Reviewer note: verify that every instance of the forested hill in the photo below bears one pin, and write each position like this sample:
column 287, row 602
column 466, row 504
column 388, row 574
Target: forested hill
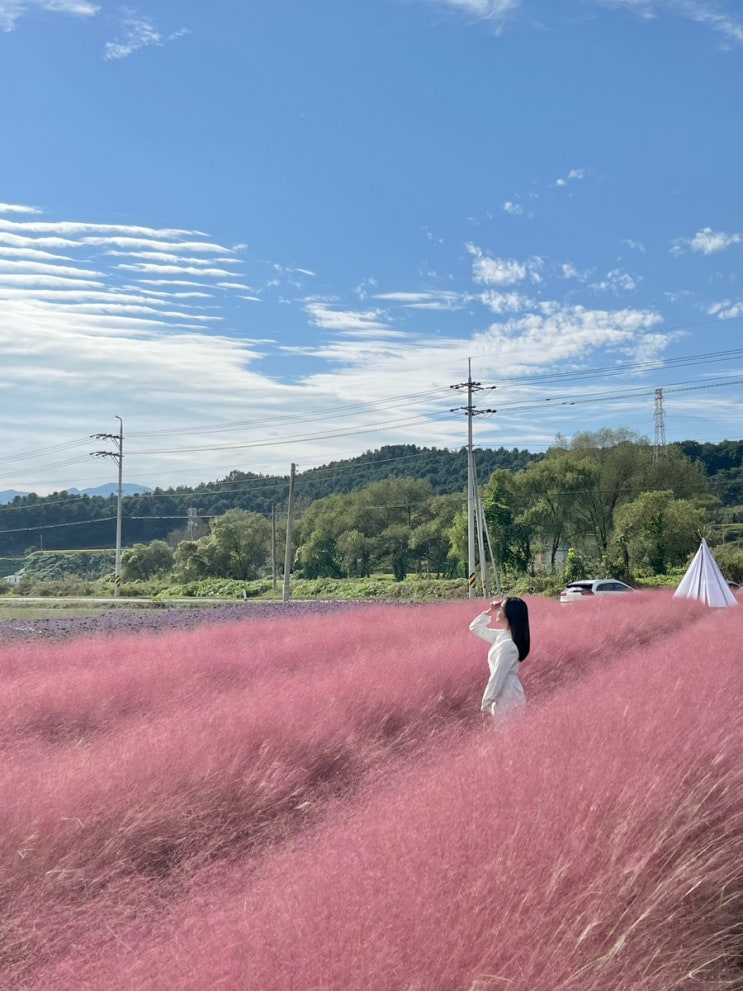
column 445, row 470
column 72, row 521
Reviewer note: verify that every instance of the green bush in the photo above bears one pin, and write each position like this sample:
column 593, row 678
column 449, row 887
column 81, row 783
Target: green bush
column 64, row 565
column 729, row 557
column 53, row 588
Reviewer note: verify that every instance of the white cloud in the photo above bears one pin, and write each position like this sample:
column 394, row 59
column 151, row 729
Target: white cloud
column 710, row 13
column 561, row 333
column 11, row 11
column 17, row 208
column 506, row 302
column 616, row 281
column 34, row 278
column 489, row 271
column 215, row 273
column 497, row 12
column 574, row 175
column 495, row 271
column 431, row 300
column 138, row 33
column 705, row 242
column 726, row 310
column 634, row 245
column 515, row 209
column 347, row 321
column 82, row 339
column 70, row 228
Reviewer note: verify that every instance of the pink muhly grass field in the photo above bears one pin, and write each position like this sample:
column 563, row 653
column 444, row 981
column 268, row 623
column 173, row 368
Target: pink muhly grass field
column 313, row 804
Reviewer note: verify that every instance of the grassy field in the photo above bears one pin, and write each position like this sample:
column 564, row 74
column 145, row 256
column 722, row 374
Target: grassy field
column 314, row 802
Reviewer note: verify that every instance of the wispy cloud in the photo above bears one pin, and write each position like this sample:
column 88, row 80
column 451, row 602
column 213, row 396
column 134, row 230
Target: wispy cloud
column 62, row 270
column 506, row 302
column 11, row 11
column 616, row 281
column 354, row 322
column 726, row 310
column 574, row 175
column 137, row 33
column 705, row 242
column 634, row 245
column 711, row 13
column 496, row 12
column 433, row 300
column 18, row 208
column 560, row 333
column 488, row 271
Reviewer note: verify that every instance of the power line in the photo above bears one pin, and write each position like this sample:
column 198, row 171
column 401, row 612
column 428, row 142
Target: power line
column 55, row 526
column 506, row 406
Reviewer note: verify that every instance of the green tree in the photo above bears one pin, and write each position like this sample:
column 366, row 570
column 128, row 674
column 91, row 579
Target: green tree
column 144, row 561
column 430, row 546
column 364, row 530
column 318, row 531
column 238, row 546
column 622, row 466
column 354, row 553
column 504, row 501
column 189, row 563
column 657, row 531
column 553, row 489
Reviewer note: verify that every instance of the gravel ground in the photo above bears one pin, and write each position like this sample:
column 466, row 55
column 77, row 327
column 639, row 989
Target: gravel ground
column 141, row 620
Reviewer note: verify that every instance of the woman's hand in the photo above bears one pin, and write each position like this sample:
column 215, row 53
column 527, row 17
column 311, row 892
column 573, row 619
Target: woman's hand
column 495, row 605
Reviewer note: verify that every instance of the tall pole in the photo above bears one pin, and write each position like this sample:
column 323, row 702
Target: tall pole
column 470, row 490
column 471, row 411
column 120, row 496
column 273, row 548
column 480, row 516
column 289, row 524
column 118, row 457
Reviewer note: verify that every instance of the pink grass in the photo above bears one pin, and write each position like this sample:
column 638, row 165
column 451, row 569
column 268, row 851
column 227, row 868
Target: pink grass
column 597, row 842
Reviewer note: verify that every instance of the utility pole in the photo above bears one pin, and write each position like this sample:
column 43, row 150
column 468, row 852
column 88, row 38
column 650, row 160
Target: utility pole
column 471, row 412
column 289, row 526
column 118, row 457
column 273, row 549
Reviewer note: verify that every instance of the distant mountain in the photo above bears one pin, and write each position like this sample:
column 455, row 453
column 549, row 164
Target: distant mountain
column 9, row 495
column 128, row 489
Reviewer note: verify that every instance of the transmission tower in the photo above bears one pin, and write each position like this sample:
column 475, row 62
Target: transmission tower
column 659, row 450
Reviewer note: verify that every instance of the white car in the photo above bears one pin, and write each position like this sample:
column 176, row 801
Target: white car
column 599, row 586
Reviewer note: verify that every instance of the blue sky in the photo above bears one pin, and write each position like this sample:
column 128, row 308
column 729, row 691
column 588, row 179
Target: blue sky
column 264, row 233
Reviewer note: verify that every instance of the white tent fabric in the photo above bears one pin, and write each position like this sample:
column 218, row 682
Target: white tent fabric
column 704, row 581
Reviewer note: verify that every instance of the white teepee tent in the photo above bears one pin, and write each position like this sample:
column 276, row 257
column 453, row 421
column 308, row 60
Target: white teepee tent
column 703, row 580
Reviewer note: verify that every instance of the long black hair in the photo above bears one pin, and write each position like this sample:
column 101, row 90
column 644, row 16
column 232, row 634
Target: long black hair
column 517, row 616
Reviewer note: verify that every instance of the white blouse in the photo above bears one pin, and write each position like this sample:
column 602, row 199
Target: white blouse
column 503, row 692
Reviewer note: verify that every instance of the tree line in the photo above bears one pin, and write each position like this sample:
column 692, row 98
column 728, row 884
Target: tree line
column 64, row 521
column 604, row 502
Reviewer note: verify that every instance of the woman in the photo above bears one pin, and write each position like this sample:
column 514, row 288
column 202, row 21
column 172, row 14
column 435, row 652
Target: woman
column 509, row 647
